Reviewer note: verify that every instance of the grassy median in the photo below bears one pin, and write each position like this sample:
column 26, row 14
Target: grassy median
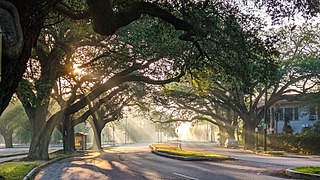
column 190, row 154
column 308, row 169
column 174, row 149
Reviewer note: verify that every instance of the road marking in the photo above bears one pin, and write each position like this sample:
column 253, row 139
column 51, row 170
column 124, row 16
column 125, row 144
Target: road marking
column 136, row 162
column 185, row 176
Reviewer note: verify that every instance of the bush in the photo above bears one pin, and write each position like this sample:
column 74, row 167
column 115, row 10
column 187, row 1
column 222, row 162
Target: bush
column 308, row 142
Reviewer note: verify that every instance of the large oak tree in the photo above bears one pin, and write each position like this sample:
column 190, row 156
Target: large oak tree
column 106, row 16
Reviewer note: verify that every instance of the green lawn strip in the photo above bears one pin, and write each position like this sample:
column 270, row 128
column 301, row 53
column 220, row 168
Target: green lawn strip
column 173, row 146
column 190, row 154
column 273, row 153
column 17, row 170
column 60, row 153
column 308, row 169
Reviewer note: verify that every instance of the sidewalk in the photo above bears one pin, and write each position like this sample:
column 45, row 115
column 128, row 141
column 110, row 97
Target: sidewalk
column 5, row 152
column 9, row 154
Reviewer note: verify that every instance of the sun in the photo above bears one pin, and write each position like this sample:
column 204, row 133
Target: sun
column 77, row 70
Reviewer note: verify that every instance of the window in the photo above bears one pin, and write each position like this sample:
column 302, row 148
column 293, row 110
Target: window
column 296, row 114
column 288, row 114
column 312, row 113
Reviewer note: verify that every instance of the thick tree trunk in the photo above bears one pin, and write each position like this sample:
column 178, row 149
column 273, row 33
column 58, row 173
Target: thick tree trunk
column 249, row 135
column 231, row 131
column 40, row 140
column 8, row 140
column 68, row 135
column 38, row 149
column 97, row 145
column 69, row 140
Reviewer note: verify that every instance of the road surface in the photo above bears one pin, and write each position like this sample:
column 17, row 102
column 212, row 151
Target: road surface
column 136, row 162
column 9, row 154
column 249, row 156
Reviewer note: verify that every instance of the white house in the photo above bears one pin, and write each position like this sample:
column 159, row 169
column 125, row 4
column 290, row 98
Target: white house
column 299, row 114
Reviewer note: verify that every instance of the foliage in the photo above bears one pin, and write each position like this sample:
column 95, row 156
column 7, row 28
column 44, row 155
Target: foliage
column 14, row 120
column 308, row 169
column 233, row 50
column 56, row 137
column 307, row 142
column 17, row 170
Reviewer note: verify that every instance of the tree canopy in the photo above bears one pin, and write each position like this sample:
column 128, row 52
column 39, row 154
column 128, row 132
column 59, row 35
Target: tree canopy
column 107, row 16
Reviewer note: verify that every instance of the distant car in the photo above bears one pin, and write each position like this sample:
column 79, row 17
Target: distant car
column 231, row 143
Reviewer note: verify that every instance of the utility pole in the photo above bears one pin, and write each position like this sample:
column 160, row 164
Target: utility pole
column 265, row 117
column 126, row 130
column 114, row 139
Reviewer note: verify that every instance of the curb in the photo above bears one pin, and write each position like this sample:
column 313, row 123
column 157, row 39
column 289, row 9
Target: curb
column 301, row 175
column 154, row 151
column 37, row 169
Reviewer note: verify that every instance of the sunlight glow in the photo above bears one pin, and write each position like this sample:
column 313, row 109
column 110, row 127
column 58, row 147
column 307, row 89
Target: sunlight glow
column 77, row 70
column 183, row 131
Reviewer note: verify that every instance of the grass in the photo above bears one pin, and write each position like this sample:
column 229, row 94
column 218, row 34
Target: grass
column 172, row 146
column 59, row 153
column 191, row 154
column 17, row 170
column 173, row 149
column 308, row 169
column 273, row 153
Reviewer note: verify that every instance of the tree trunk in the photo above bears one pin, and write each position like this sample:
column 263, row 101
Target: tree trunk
column 40, row 140
column 8, row 139
column 249, row 135
column 38, row 149
column 70, row 144
column 231, row 130
column 97, row 145
column 68, row 135
column 97, row 129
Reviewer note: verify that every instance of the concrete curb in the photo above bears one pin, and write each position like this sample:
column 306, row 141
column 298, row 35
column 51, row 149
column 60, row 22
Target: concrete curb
column 37, row 169
column 154, row 151
column 301, row 175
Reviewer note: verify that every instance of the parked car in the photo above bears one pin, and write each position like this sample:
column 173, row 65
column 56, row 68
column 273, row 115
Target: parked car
column 231, row 143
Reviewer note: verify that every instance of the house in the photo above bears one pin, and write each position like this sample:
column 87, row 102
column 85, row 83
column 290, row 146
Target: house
column 297, row 114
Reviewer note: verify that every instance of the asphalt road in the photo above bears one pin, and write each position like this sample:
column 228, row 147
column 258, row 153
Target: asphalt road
column 292, row 161
column 9, row 154
column 136, row 162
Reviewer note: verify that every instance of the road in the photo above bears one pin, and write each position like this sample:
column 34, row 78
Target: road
column 248, row 156
column 9, row 154
column 136, row 162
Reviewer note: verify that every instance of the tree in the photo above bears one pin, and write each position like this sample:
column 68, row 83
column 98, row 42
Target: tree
column 107, row 17
column 10, row 122
column 106, row 75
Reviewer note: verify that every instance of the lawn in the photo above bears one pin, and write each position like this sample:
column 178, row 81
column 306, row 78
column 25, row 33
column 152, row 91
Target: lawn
column 308, row 169
column 173, row 149
column 173, row 146
column 190, row 154
column 17, row 170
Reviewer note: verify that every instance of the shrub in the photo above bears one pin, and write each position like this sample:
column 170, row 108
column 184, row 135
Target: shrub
column 308, row 142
